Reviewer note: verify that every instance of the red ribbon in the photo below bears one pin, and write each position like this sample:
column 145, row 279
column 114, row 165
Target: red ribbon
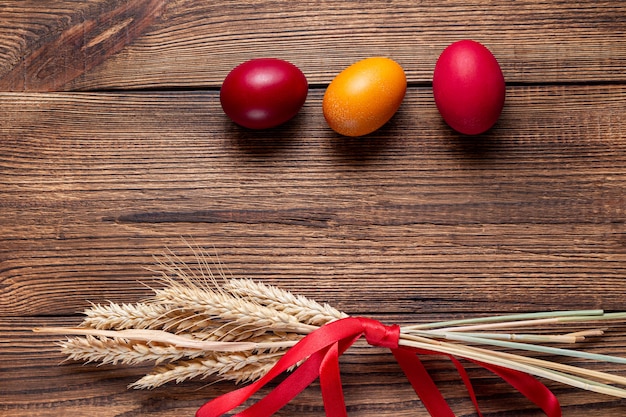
column 320, row 351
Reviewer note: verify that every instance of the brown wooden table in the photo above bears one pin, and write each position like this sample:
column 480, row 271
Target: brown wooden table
column 113, row 146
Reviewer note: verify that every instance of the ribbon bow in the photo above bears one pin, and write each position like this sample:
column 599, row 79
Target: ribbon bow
column 320, row 351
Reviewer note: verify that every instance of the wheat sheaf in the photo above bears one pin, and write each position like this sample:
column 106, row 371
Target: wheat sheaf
column 199, row 325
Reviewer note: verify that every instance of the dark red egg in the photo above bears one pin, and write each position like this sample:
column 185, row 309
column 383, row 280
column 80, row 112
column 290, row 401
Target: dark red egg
column 263, row 93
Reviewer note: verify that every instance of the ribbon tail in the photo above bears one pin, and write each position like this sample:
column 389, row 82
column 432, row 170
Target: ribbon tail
column 530, row 387
column 468, row 383
column 330, row 383
column 284, row 392
column 289, row 388
column 226, row 402
column 422, row 383
column 330, row 378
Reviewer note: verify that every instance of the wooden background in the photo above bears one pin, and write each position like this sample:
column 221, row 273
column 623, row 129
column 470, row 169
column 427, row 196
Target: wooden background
column 113, row 147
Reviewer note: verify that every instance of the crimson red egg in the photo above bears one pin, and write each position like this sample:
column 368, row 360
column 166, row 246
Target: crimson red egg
column 263, row 93
column 468, row 87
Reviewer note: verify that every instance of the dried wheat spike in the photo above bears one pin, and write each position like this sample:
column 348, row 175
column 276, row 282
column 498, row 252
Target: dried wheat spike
column 304, row 309
column 188, row 296
column 240, row 367
column 125, row 316
column 113, row 351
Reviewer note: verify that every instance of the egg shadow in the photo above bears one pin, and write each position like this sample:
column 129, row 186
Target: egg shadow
column 363, row 150
column 476, row 149
column 263, row 142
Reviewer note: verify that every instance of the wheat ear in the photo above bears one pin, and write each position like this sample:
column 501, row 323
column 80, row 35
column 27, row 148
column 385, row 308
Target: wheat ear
column 240, row 367
column 228, row 308
column 125, row 316
column 113, row 351
column 302, row 308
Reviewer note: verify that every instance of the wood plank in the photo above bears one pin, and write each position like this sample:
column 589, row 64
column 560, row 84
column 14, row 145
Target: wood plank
column 442, row 270
column 414, row 218
column 44, row 50
column 33, row 380
column 114, row 44
column 535, row 41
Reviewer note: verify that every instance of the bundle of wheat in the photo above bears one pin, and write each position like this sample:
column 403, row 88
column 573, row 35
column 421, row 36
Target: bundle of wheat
column 199, row 325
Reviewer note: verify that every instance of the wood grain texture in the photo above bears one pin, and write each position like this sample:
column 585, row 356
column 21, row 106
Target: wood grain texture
column 418, row 215
column 536, row 40
column 44, row 50
column 193, row 44
column 413, row 223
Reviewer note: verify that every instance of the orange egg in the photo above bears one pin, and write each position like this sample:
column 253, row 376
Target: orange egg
column 364, row 96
